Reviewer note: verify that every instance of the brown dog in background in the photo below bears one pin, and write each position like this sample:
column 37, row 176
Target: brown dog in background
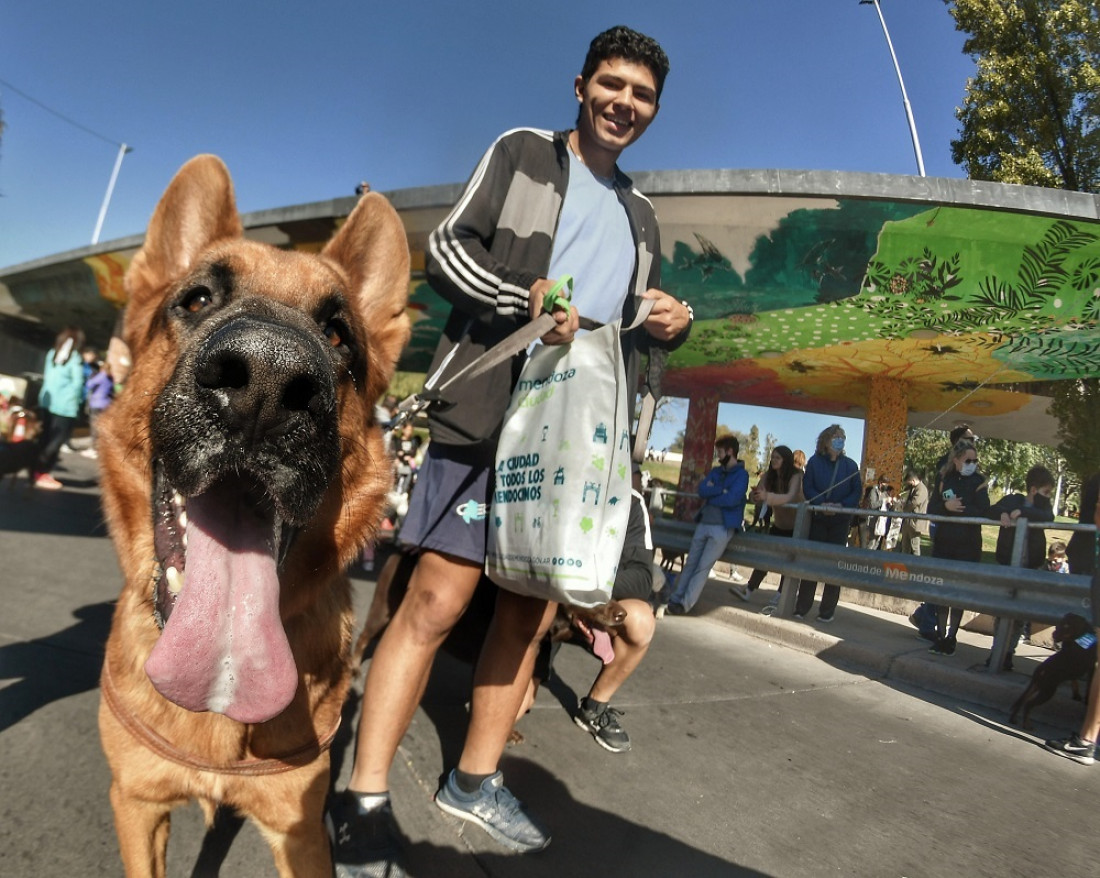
column 242, row 469
column 1075, row 660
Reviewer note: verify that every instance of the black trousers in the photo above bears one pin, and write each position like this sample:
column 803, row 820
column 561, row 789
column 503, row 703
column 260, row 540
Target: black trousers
column 823, row 529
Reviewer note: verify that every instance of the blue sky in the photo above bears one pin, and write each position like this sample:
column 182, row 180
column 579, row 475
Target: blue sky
column 793, row 429
column 304, row 100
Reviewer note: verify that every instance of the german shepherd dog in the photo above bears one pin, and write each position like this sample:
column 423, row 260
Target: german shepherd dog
column 242, row 469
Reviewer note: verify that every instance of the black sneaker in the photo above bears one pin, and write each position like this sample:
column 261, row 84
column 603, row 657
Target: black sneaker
column 364, row 845
column 1074, row 748
column 495, row 810
column 944, row 646
column 603, row 725
column 676, row 610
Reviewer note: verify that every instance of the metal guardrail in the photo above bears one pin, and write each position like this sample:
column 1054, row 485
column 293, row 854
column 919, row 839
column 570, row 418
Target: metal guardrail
column 1007, row 592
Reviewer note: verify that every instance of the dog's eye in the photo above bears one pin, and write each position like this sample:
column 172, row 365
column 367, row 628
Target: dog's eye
column 195, row 299
column 337, row 333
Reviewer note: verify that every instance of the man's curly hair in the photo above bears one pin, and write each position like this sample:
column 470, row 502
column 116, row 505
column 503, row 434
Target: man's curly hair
column 629, row 45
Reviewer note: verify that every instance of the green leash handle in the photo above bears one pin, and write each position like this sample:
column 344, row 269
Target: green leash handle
column 554, row 297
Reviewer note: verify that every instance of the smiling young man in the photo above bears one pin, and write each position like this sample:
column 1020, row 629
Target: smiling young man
column 539, row 205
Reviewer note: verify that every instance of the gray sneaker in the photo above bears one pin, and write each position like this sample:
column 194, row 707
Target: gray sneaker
column 1075, row 748
column 364, row 845
column 495, row 810
column 603, row 725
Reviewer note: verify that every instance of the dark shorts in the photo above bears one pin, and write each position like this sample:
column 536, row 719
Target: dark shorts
column 448, row 508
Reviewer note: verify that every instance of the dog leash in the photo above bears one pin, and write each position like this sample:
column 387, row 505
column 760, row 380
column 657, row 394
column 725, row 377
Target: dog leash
column 559, row 296
column 167, row 750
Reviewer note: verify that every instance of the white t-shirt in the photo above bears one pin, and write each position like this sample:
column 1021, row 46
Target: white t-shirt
column 594, row 244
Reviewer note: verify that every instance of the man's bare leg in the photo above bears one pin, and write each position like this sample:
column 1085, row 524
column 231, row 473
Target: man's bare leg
column 1090, row 728
column 502, row 677
column 631, row 645
column 439, row 591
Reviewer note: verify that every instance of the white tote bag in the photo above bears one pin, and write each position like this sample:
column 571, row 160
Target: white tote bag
column 562, row 492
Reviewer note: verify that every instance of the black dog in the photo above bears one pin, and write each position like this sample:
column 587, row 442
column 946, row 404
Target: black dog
column 1075, row 660
column 18, row 456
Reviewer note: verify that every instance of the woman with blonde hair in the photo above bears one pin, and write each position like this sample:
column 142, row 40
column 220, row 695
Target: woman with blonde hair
column 960, row 491
column 60, row 397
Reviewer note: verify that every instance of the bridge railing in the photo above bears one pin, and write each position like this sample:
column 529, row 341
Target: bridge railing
column 1006, row 592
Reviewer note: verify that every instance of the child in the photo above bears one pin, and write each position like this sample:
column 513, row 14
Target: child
column 1033, row 506
column 99, row 390
column 1056, row 558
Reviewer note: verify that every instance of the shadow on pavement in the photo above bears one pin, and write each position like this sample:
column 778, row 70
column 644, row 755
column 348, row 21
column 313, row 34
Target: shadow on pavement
column 589, row 840
column 53, row 667
column 58, row 513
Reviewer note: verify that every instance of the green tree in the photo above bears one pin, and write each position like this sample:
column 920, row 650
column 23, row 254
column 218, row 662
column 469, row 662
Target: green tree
column 1032, row 109
column 923, row 449
column 1076, row 405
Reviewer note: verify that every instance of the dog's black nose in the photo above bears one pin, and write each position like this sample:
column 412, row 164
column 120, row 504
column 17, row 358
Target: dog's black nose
column 263, row 377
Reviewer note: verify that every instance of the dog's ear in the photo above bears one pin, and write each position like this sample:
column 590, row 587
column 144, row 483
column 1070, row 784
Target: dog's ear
column 372, row 249
column 197, row 209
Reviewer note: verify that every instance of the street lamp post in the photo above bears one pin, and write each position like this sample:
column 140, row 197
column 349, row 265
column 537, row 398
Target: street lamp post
column 901, row 82
column 122, row 150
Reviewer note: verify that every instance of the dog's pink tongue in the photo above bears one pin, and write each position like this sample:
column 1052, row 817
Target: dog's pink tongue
column 223, row 648
column 601, row 646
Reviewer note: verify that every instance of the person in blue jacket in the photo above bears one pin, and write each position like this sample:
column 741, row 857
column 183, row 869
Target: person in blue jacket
column 60, row 397
column 831, row 479
column 724, row 490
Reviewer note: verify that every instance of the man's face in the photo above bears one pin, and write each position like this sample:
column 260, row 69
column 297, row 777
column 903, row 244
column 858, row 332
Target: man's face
column 617, row 103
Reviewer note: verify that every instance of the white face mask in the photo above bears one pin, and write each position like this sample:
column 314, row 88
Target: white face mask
column 968, row 469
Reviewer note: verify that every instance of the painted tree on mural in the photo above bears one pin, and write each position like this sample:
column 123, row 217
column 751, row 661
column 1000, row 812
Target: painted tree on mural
column 1032, row 111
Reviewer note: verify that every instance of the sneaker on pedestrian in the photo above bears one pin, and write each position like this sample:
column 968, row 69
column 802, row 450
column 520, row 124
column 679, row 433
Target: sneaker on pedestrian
column 603, row 724
column 365, row 843
column 676, row 610
column 66, row 448
column 89, row 453
column 1075, row 748
column 736, row 576
column 740, row 591
column 798, row 615
column 495, row 810
column 943, row 646
column 825, row 619
column 48, row 482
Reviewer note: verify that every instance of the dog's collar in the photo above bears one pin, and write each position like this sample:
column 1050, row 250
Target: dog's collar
column 242, row 767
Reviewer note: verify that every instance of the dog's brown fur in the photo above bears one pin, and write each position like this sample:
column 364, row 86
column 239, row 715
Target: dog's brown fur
column 155, row 747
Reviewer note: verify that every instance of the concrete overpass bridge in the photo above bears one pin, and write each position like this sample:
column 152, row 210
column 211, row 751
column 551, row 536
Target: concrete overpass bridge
column 890, row 298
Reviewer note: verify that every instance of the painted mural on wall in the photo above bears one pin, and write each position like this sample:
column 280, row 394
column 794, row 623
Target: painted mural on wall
column 954, row 301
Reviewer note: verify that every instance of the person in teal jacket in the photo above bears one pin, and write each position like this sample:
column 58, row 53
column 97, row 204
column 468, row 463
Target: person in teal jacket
column 60, row 397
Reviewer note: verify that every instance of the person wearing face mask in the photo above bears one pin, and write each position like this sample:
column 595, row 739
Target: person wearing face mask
column 780, row 488
column 1034, row 506
column 831, row 480
column 960, row 491
column 723, row 490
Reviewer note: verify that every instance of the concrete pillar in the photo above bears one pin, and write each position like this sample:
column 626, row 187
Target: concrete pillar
column 702, row 424
column 884, row 430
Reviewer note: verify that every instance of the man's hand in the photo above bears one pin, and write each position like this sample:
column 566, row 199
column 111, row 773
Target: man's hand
column 568, row 322
column 669, row 316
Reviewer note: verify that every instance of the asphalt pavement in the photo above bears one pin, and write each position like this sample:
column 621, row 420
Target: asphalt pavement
column 762, row 746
